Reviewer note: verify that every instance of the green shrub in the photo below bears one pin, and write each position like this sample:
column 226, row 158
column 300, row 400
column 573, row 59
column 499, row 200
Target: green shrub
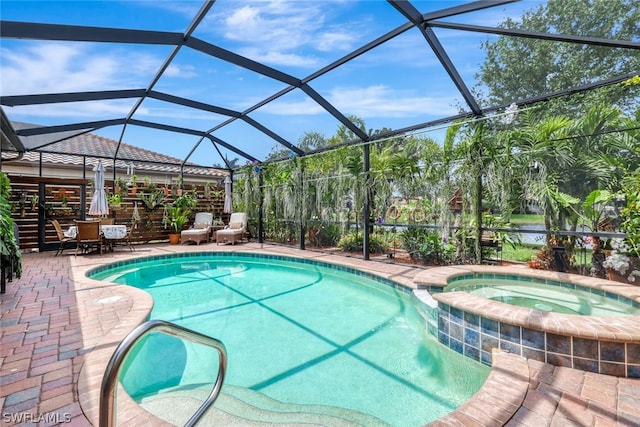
column 353, row 242
column 329, row 235
column 427, row 246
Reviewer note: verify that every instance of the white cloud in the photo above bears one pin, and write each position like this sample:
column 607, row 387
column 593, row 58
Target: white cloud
column 327, row 42
column 380, row 101
column 302, row 107
column 75, row 111
column 368, row 102
column 284, row 32
column 276, row 57
column 54, row 67
column 182, row 71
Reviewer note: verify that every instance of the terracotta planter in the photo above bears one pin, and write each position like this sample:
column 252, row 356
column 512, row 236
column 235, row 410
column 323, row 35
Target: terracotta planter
column 174, row 238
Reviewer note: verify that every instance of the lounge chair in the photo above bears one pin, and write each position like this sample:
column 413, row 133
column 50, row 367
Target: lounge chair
column 200, row 230
column 235, row 230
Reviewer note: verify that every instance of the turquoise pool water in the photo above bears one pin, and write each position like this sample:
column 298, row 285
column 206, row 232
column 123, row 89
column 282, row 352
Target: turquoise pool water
column 553, row 297
column 300, row 333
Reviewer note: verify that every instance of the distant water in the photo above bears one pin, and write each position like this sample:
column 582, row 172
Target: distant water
column 539, row 238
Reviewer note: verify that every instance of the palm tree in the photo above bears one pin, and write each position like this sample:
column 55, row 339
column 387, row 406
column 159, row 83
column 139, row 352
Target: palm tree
column 544, row 154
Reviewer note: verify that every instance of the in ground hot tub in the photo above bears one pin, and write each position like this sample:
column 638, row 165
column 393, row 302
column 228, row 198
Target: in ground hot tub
column 601, row 333
column 545, row 295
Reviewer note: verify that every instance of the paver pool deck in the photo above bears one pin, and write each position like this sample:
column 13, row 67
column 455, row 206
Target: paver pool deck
column 58, row 329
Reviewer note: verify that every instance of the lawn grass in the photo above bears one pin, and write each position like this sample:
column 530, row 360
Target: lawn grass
column 521, row 253
column 524, row 253
column 527, row 219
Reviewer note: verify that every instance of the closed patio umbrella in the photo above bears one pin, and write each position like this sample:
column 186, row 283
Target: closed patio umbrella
column 228, row 205
column 99, row 205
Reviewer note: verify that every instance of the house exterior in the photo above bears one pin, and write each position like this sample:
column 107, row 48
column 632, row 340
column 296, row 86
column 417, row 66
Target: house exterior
column 85, row 150
column 47, row 185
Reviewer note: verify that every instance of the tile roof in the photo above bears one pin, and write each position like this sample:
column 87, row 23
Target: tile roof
column 72, row 151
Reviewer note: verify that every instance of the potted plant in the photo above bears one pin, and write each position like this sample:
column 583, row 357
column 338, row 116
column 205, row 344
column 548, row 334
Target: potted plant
column 133, row 185
column 22, row 203
column 178, row 217
column 34, row 201
column 179, row 185
column 119, row 184
column 114, row 200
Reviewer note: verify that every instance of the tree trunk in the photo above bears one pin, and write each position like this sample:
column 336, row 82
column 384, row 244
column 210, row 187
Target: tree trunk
column 597, row 258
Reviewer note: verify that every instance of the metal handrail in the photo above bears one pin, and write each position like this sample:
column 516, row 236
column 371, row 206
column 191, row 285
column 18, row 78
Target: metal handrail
column 110, row 379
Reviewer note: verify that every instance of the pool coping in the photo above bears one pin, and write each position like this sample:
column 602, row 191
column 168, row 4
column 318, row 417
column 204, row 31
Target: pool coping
column 510, row 372
column 616, row 329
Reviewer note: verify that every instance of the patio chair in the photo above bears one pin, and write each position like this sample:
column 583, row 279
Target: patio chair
column 64, row 240
column 127, row 239
column 235, row 230
column 200, row 230
column 89, row 236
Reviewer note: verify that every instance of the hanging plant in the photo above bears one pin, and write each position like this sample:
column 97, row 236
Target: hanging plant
column 114, row 200
column 119, row 184
column 152, row 200
column 165, row 218
column 34, row 201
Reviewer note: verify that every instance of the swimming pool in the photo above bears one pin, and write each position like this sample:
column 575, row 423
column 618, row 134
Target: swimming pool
column 300, row 333
column 545, row 295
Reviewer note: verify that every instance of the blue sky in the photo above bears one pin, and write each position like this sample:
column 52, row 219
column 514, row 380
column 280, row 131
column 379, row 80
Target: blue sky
column 395, row 85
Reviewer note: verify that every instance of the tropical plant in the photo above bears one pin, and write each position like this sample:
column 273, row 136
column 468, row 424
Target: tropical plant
column 119, row 184
column 178, row 217
column 152, row 200
column 593, row 208
column 9, row 250
column 427, row 246
column 114, row 199
column 328, row 235
column 354, row 242
column 543, row 153
column 186, row 201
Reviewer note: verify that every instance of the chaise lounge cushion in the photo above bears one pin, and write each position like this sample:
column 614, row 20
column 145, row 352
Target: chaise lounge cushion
column 196, row 235
column 235, row 230
column 200, row 230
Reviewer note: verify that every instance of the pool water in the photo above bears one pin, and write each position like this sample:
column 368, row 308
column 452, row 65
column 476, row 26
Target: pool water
column 298, row 333
column 546, row 297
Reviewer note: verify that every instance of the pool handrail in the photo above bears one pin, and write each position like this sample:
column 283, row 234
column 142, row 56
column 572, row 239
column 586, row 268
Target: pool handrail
column 110, row 379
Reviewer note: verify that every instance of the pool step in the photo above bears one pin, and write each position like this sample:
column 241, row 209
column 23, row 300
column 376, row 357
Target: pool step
column 238, row 406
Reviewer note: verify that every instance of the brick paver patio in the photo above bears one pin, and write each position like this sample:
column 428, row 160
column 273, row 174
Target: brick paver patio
column 58, row 328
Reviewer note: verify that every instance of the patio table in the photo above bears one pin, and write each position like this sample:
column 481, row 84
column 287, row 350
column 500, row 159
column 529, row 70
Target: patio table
column 110, row 233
